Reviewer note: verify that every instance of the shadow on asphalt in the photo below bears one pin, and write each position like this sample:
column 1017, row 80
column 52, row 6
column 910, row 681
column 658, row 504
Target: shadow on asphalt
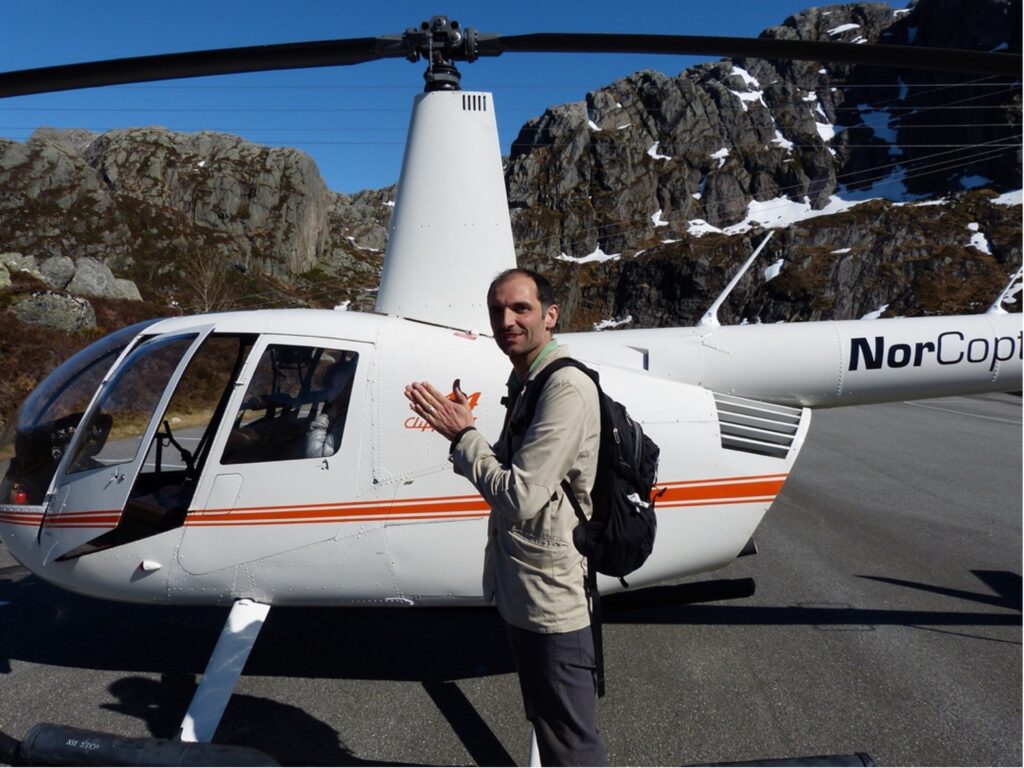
column 46, row 625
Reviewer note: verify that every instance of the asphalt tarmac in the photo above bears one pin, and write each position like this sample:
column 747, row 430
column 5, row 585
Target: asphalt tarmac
column 887, row 620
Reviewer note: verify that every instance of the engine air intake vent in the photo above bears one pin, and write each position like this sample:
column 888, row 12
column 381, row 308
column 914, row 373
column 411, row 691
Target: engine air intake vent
column 474, row 102
column 755, row 427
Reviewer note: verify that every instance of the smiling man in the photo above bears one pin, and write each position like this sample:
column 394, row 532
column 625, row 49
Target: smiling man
column 532, row 570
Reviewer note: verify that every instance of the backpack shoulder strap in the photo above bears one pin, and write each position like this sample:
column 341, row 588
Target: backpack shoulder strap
column 536, row 385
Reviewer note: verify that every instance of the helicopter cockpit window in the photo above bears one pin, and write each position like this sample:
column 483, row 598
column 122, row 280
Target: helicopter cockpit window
column 295, row 407
column 116, row 425
column 38, row 434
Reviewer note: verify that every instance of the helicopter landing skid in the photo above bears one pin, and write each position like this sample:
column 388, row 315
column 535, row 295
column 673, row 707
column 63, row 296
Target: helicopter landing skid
column 223, row 670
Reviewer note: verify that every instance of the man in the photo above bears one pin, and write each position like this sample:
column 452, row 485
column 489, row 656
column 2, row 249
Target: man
column 532, row 570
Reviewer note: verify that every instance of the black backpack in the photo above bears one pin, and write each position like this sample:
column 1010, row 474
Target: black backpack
column 619, row 536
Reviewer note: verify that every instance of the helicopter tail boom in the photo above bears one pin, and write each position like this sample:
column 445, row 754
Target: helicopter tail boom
column 830, row 364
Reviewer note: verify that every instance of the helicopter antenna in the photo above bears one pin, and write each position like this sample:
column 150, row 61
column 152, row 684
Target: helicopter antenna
column 710, row 318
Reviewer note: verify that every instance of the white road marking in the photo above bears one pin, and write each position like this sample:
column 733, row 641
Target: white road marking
column 962, row 413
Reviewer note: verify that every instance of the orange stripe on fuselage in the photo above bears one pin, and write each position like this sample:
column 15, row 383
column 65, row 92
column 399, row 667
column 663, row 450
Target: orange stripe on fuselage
column 747, row 489
column 676, row 494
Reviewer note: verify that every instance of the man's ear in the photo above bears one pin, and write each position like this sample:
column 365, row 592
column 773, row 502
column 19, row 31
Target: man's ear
column 551, row 317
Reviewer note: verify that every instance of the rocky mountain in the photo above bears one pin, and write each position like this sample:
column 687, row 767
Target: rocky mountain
column 884, row 188
column 676, row 175
column 174, row 210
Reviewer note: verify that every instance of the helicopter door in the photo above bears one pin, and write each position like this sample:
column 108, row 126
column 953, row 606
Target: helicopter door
column 284, row 468
column 102, row 461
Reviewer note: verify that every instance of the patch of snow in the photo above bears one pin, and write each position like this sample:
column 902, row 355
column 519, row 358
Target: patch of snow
column 699, row 228
column 1000, row 47
column 657, row 220
column 900, row 12
column 593, row 126
column 773, row 271
column 390, row 203
column 891, row 188
column 606, row 324
column 859, row 40
column 879, row 121
column 973, row 226
column 669, row 241
column 343, row 307
column 773, row 214
column 978, row 239
column 876, row 314
column 1010, row 198
column 653, row 152
column 811, row 96
column 842, row 28
column 973, row 182
column 618, row 104
column 749, row 96
column 748, row 80
column 201, row 164
column 597, row 255
column 720, row 156
column 841, row 250
column 696, row 195
column 827, row 131
column 623, row 127
column 782, row 141
column 822, row 71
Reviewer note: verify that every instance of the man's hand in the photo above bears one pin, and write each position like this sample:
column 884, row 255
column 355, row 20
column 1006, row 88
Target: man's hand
column 447, row 417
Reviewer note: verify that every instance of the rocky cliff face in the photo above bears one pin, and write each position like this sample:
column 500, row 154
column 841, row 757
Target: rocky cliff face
column 645, row 167
column 173, row 210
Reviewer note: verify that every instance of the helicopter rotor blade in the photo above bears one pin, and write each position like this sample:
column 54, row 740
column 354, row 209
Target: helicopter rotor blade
column 899, row 56
column 222, row 61
column 441, row 38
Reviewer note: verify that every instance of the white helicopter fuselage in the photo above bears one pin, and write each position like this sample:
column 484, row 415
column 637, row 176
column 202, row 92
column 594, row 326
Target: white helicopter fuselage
column 385, row 521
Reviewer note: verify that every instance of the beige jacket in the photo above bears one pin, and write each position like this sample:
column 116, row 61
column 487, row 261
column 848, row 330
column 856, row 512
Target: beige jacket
column 531, row 567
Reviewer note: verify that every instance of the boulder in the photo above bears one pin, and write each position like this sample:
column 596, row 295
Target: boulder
column 94, row 278
column 57, row 271
column 53, row 310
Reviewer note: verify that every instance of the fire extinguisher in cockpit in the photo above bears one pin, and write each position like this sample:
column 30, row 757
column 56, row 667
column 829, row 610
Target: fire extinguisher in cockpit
column 17, row 495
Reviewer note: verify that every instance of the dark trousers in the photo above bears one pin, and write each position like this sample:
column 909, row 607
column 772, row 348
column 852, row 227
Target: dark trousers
column 556, row 675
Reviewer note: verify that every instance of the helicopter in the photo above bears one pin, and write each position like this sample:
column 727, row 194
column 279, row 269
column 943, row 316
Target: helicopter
column 171, row 462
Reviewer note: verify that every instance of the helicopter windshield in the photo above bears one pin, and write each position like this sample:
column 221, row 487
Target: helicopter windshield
column 38, row 433
column 118, row 422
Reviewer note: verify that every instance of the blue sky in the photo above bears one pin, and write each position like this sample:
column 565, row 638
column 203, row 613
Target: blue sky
column 351, row 120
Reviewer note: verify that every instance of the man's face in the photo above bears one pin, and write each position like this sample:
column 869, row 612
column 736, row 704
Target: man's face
column 521, row 327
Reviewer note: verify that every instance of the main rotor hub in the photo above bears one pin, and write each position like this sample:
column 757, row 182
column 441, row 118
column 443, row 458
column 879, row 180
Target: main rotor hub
column 441, row 41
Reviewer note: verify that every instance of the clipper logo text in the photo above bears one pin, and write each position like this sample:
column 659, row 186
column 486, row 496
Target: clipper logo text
column 415, row 422
column 949, row 348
